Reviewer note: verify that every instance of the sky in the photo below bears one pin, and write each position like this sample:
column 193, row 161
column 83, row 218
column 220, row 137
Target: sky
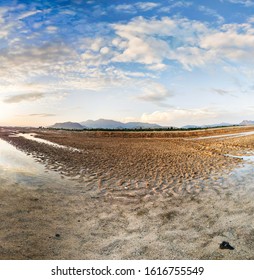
column 168, row 62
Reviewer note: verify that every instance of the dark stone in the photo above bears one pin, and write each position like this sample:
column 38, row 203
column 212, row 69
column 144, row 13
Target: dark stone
column 57, row 235
column 226, row 245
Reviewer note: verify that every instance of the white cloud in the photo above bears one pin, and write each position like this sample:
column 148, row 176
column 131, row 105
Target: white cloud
column 157, row 67
column 145, row 6
column 29, row 61
column 155, row 92
column 51, row 29
column 151, row 42
column 140, row 45
column 174, row 5
column 247, row 3
column 68, row 12
column 97, row 44
column 155, row 42
column 232, row 42
column 178, row 116
column 135, row 7
column 149, row 51
column 191, row 57
column 124, row 8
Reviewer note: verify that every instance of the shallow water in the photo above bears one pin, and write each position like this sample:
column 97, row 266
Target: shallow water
column 242, row 176
column 223, row 136
column 18, row 168
column 249, row 158
column 31, row 136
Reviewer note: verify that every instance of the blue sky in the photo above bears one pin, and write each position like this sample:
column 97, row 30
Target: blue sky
column 167, row 62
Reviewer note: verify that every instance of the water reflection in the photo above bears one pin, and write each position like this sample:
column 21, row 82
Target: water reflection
column 224, row 136
column 18, row 168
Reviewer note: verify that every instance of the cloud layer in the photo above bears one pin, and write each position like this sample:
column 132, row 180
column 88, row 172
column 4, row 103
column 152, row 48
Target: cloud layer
column 23, row 97
column 143, row 52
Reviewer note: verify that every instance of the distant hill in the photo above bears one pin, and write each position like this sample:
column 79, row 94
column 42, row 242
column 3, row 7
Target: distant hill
column 189, row 126
column 207, row 126
column 133, row 125
column 218, row 124
column 102, row 123
column 67, row 125
column 247, row 122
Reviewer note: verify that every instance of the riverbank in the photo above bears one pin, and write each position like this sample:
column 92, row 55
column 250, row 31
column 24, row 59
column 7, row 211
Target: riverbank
column 131, row 199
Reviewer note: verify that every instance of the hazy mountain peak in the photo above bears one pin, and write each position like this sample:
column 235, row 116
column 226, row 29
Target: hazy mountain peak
column 67, row 125
column 247, row 122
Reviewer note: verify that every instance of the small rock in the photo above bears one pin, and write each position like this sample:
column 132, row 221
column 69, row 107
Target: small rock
column 57, row 235
column 226, row 245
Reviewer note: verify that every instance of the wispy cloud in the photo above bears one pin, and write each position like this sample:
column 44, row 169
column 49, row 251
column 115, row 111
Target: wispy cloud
column 175, row 5
column 127, row 8
column 51, row 29
column 247, row 3
column 210, row 12
column 28, row 14
column 146, row 6
column 23, row 97
column 42, row 115
column 222, row 91
column 135, row 7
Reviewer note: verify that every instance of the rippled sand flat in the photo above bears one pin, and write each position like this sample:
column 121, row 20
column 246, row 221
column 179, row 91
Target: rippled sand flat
column 131, row 196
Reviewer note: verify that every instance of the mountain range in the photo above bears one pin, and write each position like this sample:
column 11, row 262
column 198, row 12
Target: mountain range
column 104, row 124
column 111, row 124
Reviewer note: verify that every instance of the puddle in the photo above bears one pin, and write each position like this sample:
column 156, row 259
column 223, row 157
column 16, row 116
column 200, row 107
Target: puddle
column 242, row 176
column 32, row 136
column 17, row 168
column 224, row 136
column 249, row 158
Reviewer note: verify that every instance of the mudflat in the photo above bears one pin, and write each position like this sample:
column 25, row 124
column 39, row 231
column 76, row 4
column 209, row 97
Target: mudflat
column 132, row 195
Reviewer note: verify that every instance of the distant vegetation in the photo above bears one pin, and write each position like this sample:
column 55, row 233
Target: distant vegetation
column 142, row 129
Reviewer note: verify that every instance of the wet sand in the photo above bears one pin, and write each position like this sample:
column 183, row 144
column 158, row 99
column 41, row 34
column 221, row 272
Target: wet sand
column 132, row 196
